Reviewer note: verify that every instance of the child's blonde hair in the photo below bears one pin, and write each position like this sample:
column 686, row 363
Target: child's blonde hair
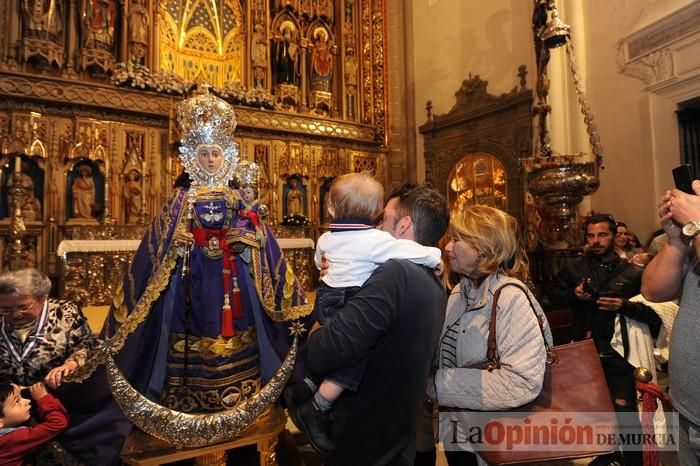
column 357, row 196
column 495, row 235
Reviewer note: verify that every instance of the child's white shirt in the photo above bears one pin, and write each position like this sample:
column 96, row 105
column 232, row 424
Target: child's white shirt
column 353, row 255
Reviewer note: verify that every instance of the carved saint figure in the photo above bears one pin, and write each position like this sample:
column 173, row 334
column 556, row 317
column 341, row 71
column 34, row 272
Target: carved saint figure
column 132, row 195
column 350, row 81
column 258, row 51
column 258, row 47
column 83, row 193
column 295, row 198
column 286, row 55
column 138, row 31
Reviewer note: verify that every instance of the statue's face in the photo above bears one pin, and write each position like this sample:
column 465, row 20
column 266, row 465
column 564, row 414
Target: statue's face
column 209, row 158
column 248, row 194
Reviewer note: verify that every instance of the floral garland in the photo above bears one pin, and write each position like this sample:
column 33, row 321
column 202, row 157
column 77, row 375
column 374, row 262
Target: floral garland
column 141, row 78
column 236, row 94
column 295, row 220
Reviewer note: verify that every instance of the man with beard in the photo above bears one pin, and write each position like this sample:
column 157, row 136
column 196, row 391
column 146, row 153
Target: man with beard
column 597, row 287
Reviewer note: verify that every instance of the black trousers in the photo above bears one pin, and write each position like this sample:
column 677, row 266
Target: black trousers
column 620, row 377
column 461, row 458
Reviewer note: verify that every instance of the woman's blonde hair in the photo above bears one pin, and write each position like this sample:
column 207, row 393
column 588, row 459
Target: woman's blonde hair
column 357, row 196
column 496, row 236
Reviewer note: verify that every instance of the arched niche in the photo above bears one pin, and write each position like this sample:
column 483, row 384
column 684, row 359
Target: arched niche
column 494, row 128
column 478, row 178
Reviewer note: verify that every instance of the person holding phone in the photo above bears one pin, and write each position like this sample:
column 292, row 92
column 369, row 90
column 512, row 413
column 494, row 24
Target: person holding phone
column 673, row 273
column 597, row 286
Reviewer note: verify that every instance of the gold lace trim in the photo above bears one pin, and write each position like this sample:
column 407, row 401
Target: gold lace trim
column 209, row 348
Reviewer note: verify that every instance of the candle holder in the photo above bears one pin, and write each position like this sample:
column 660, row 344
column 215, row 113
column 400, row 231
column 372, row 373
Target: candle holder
column 143, row 215
column 107, row 218
column 18, row 192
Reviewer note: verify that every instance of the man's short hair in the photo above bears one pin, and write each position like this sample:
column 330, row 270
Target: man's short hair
column 602, row 218
column 402, row 190
column 428, row 211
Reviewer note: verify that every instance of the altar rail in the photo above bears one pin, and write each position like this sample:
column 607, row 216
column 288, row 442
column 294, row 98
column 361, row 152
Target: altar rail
column 91, row 270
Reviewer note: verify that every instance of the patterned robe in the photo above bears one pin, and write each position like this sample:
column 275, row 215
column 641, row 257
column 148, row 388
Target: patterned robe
column 59, row 335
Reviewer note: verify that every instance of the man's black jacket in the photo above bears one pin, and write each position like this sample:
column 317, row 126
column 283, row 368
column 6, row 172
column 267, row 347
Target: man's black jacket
column 394, row 323
column 616, row 278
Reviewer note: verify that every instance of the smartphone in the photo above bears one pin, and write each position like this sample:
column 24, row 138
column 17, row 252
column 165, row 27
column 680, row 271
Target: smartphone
column 683, row 176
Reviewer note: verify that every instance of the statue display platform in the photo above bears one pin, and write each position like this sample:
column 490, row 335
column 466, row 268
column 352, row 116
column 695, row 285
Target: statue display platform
column 143, row 450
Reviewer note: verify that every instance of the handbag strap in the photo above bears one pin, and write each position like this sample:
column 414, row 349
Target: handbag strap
column 493, row 360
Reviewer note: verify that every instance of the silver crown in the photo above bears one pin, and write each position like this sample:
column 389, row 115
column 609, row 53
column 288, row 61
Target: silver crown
column 207, row 120
column 247, row 174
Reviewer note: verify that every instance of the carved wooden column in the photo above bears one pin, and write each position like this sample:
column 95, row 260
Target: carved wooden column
column 304, row 101
column 153, row 55
column 123, row 55
column 73, row 26
column 13, row 33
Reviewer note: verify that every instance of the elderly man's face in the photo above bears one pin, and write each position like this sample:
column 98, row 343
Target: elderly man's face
column 18, row 309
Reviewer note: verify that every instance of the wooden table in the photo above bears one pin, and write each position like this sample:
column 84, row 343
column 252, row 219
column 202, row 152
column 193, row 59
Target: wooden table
column 143, row 450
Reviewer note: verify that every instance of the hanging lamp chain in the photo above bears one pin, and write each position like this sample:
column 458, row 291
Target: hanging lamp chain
column 588, row 119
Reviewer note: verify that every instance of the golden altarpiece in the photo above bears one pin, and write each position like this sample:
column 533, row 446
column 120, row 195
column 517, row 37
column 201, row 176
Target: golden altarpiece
column 87, row 131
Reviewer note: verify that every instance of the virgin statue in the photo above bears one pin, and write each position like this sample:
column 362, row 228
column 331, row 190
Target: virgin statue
column 200, row 322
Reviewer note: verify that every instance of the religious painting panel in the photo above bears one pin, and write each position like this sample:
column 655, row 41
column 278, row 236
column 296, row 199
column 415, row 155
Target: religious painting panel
column 320, row 68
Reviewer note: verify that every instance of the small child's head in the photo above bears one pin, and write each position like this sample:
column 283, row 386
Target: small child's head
column 248, row 193
column 356, row 196
column 14, row 410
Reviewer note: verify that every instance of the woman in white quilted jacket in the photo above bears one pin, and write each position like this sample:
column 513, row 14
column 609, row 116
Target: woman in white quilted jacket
column 486, row 252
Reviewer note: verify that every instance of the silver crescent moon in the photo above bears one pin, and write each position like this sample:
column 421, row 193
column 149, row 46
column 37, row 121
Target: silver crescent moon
column 196, row 430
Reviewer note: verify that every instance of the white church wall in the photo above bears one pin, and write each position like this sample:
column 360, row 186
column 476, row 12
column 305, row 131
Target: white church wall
column 629, row 95
column 453, row 38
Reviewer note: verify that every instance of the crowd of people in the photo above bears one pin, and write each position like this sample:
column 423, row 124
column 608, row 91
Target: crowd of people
column 200, row 322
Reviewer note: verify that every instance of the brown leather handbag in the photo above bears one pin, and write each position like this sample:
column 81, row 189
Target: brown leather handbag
column 574, row 382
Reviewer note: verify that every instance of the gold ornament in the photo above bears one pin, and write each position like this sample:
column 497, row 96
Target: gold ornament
column 642, row 374
column 196, row 430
